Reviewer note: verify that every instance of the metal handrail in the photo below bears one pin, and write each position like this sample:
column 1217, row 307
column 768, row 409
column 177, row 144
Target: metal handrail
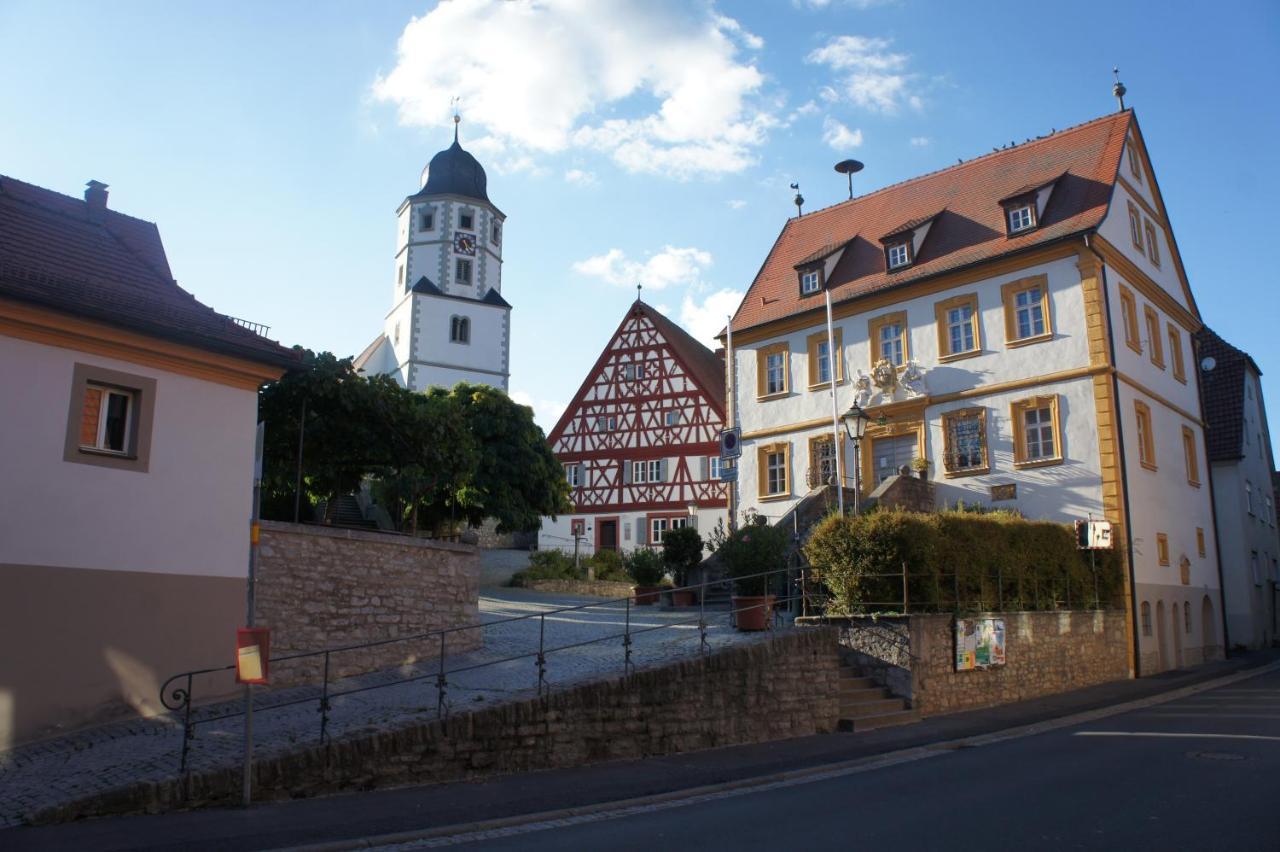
column 176, row 693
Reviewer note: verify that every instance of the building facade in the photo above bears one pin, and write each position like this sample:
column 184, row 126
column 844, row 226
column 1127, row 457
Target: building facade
column 128, row 459
column 1241, row 464
column 1020, row 321
column 448, row 321
column 640, row 440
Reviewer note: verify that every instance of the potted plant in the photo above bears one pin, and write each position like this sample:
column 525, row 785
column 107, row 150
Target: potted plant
column 748, row 553
column 682, row 552
column 646, row 568
column 921, row 467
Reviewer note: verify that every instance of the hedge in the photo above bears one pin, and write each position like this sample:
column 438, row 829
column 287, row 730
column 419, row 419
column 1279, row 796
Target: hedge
column 957, row 561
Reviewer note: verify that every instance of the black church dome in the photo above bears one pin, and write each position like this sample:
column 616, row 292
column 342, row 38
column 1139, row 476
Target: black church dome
column 455, row 172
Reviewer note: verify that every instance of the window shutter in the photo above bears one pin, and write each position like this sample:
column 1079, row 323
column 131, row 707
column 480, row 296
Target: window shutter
column 704, row 466
column 626, row 473
column 641, row 531
column 664, row 470
column 581, row 474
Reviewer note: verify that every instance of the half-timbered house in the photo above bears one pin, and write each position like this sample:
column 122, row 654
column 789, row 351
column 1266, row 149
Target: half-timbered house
column 639, row 441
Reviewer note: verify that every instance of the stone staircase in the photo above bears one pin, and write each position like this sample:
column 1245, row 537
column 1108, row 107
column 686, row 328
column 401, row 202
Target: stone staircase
column 864, row 705
column 345, row 511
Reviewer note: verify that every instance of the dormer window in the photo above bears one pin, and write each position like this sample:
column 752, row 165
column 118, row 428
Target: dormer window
column 810, row 281
column 1021, row 217
column 898, row 254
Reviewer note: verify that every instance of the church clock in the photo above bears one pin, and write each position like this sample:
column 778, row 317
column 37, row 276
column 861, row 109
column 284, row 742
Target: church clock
column 464, row 243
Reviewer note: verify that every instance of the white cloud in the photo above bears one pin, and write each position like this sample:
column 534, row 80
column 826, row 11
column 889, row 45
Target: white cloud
column 580, row 177
column 545, row 411
column 871, row 75
column 543, row 77
column 670, row 266
column 838, row 136
column 920, row 141
column 856, row 4
column 705, row 319
column 736, row 203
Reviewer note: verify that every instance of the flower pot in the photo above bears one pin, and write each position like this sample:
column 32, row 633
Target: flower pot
column 647, row 595
column 753, row 612
column 923, row 474
column 684, row 597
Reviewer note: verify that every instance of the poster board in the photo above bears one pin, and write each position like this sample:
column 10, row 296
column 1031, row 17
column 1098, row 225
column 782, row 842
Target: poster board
column 979, row 643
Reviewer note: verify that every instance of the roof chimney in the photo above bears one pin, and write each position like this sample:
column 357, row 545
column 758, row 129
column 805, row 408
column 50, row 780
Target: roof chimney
column 95, row 199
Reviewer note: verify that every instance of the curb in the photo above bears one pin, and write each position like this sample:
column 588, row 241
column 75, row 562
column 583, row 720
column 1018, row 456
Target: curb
column 676, row 798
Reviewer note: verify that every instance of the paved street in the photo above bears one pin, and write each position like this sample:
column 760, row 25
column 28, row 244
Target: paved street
column 1195, row 773
column 109, row 756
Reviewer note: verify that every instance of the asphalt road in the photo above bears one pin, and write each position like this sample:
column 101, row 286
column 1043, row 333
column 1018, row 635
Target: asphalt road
column 1201, row 772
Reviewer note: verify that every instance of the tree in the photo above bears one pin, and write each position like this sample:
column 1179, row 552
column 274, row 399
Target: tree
column 516, row 480
column 682, row 551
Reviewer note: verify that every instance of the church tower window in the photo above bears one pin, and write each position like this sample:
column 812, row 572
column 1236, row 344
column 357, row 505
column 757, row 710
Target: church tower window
column 466, row 221
column 459, row 330
column 463, row 271
column 426, row 221
column 497, row 234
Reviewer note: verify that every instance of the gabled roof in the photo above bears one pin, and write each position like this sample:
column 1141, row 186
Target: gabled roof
column 705, row 366
column 427, row 287
column 969, row 229
column 110, row 268
column 1222, row 390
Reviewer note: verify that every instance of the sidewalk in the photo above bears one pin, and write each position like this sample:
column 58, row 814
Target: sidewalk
column 381, row 812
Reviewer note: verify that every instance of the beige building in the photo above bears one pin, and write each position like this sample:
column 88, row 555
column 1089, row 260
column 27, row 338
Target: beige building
column 1022, row 323
column 127, row 454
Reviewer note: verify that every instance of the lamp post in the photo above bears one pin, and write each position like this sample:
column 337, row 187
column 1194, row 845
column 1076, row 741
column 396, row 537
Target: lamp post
column 692, row 509
column 855, row 426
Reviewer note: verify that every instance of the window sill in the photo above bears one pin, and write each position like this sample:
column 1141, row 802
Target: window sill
column 768, row 498
column 1148, row 465
column 1027, row 341
column 958, row 474
column 825, row 385
column 1159, row 364
column 1193, row 484
column 109, row 454
column 959, row 356
column 1024, row 465
column 1136, row 347
column 1181, row 379
column 772, row 396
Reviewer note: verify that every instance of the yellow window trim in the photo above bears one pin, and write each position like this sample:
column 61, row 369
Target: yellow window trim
column 1129, row 313
column 1153, row 246
column 950, row 417
column 1135, row 227
column 1016, row 411
column 940, row 310
column 1153, row 331
column 762, row 470
column 1200, row 540
column 1192, row 457
column 873, row 334
column 1008, row 294
column 1175, row 352
column 1146, row 436
column 837, row 362
column 762, row 358
column 1162, row 548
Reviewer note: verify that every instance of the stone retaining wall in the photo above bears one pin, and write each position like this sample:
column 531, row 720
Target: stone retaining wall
column 771, row 690
column 320, row 587
column 588, row 588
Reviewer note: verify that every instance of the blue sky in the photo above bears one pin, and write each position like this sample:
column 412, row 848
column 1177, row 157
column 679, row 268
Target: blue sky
column 272, row 142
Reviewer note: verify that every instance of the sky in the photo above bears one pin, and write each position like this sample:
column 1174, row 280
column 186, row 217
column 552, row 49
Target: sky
column 644, row 140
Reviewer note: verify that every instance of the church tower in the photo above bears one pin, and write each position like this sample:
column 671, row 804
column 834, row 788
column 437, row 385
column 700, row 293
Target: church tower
column 448, row 320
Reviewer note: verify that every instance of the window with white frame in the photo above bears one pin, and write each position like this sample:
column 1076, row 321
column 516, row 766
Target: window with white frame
column 108, row 422
column 713, row 468
column 824, row 362
column 775, row 377
column 899, row 255
column 672, row 418
column 1021, row 218
column 891, row 343
column 810, row 282
column 606, row 422
column 775, row 473
column 1028, row 312
column 646, row 471
column 573, row 475
column 1039, row 433
column 960, row 329
column 658, row 527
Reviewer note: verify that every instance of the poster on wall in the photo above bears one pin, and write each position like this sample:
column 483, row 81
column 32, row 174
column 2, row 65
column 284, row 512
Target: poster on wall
column 979, row 643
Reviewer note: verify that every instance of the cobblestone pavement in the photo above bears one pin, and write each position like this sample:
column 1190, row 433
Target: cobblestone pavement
column 582, row 645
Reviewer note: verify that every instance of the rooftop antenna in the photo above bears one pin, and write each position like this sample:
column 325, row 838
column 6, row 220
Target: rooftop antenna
column 457, row 119
column 798, row 200
column 848, row 168
column 1118, row 89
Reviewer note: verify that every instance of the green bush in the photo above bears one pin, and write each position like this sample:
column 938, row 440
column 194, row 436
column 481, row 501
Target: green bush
column 682, row 552
column 645, row 566
column 754, row 549
column 607, row 565
column 956, row 560
column 547, row 565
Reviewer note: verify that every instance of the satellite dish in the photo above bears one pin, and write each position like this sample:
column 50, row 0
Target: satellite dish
column 848, row 168
column 1208, row 363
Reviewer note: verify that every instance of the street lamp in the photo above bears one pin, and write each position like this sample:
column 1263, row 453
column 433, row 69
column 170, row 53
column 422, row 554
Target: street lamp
column 692, row 509
column 855, row 422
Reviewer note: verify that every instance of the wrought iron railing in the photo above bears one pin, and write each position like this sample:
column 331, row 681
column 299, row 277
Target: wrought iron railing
column 256, row 327
column 177, row 693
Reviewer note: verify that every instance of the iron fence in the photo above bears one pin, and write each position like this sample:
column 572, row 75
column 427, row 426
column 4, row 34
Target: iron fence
column 783, row 590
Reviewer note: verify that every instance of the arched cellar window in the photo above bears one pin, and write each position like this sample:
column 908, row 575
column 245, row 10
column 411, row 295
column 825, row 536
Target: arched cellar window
column 459, row 330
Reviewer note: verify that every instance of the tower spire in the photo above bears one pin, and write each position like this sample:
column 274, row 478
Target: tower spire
column 637, row 291
column 1118, row 89
column 457, row 119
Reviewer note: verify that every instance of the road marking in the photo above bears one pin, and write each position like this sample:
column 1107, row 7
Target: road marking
column 1162, row 714
column 1170, row 735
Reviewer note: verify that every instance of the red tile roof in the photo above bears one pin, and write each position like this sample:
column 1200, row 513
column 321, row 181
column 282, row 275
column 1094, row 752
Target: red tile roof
column 706, row 366
column 970, row 229
column 110, row 268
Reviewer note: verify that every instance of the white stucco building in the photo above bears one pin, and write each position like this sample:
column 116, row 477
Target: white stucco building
column 448, row 321
column 1242, row 465
column 127, row 453
column 1022, row 322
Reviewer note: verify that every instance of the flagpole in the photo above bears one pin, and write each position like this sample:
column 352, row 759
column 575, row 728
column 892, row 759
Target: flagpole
column 835, row 412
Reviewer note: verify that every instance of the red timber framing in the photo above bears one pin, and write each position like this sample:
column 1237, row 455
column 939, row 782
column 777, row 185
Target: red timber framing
column 645, row 421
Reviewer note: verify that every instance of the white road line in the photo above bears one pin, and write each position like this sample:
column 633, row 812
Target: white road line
column 1164, row 735
column 1160, row 714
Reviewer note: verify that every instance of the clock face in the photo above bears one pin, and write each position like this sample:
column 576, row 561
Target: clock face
column 464, row 243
